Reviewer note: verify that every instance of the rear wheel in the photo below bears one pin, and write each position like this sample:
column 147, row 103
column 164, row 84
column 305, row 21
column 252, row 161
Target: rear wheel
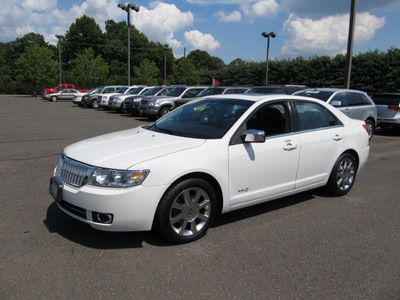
column 343, row 175
column 371, row 127
column 186, row 211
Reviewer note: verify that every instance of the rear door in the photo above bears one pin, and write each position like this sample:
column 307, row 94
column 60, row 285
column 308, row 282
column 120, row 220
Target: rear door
column 321, row 136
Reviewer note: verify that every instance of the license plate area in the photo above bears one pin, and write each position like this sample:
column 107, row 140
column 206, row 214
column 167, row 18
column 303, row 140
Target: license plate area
column 56, row 189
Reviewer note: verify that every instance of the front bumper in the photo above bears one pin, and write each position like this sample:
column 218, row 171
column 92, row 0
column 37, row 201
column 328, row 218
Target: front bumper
column 133, row 209
column 149, row 110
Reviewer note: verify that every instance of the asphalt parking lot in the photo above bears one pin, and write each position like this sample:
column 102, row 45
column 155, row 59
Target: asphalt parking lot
column 309, row 246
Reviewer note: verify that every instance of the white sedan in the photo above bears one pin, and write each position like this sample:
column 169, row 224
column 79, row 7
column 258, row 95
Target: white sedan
column 210, row 156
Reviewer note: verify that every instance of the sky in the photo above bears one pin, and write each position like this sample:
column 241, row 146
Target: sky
column 228, row 29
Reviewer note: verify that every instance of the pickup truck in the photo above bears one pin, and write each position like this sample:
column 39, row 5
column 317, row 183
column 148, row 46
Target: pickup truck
column 59, row 88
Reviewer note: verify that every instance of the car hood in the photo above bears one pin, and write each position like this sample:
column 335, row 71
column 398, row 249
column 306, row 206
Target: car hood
column 124, row 149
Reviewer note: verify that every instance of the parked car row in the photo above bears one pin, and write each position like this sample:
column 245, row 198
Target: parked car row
column 156, row 101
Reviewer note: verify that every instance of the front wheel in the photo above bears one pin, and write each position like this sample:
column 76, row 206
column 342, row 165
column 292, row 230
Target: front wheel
column 53, row 99
column 186, row 211
column 164, row 111
column 343, row 175
column 95, row 104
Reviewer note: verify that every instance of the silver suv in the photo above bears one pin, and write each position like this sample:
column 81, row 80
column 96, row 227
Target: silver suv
column 388, row 105
column 355, row 104
column 158, row 106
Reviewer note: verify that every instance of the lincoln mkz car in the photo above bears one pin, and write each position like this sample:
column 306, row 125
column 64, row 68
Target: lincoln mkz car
column 210, row 156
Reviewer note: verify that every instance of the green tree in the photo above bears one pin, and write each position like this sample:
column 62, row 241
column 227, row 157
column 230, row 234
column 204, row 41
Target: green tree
column 83, row 33
column 184, row 72
column 88, row 70
column 146, row 73
column 36, row 68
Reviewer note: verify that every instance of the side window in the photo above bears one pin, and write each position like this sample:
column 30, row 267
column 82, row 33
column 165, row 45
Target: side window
column 70, row 86
column 354, row 99
column 273, row 119
column 339, row 100
column 364, row 100
column 314, row 116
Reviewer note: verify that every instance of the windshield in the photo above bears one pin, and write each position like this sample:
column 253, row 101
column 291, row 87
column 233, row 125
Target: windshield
column 135, row 91
column 266, row 90
column 122, row 90
column 152, row 91
column 211, row 91
column 321, row 95
column 202, row 118
column 176, row 91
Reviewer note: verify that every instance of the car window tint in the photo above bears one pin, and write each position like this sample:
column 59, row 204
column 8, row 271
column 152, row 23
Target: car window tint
column 208, row 118
column 314, row 116
column 387, row 99
column 364, row 100
column 273, row 119
column 354, row 99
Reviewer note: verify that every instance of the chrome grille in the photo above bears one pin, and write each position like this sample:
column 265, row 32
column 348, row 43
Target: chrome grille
column 73, row 172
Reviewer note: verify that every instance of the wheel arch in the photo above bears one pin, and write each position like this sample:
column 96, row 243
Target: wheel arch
column 355, row 154
column 207, row 177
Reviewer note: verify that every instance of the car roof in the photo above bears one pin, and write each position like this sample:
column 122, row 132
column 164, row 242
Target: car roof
column 261, row 97
column 333, row 90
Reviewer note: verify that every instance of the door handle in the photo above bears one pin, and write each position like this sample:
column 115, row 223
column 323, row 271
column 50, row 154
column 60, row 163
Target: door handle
column 337, row 137
column 290, row 147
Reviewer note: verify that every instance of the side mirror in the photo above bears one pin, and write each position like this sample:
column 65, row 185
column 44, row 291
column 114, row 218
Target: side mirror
column 253, row 136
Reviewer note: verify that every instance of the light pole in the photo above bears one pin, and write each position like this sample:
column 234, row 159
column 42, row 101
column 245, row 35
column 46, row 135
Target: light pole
column 267, row 35
column 350, row 43
column 59, row 36
column 165, row 64
column 127, row 8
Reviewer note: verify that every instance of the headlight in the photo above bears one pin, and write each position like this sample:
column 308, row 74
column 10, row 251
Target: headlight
column 138, row 99
column 117, row 178
column 153, row 103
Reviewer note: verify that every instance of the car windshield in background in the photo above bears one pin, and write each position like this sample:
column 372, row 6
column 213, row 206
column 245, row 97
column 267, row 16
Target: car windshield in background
column 122, row 90
column 135, row 91
column 211, row 91
column 152, row 91
column 266, row 90
column 321, row 95
column 205, row 118
column 176, row 92
column 387, row 99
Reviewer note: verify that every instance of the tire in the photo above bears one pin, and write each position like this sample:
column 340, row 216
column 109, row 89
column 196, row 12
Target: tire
column 371, row 127
column 186, row 211
column 95, row 104
column 53, row 99
column 343, row 175
column 164, row 111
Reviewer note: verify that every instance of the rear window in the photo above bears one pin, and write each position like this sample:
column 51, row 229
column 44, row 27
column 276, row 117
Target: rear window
column 386, row 99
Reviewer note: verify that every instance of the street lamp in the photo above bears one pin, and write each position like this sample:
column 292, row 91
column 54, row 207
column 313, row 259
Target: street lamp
column 127, row 8
column 267, row 35
column 165, row 64
column 59, row 36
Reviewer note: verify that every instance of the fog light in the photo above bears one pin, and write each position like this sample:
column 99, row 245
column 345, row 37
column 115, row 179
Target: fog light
column 104, row 218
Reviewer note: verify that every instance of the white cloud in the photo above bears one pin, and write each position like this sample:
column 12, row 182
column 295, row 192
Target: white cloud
column 261, row 9
column 327, row 35
column 162, row 21
column 201, row 41
column 235, row 16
